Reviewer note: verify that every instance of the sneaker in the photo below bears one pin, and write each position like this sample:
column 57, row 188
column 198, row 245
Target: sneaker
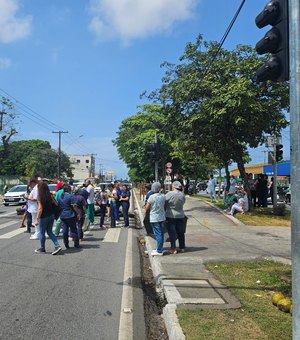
column 182, row 250
column 40, row 251
column 56, row 251
column 33, row 237
column 156, row 253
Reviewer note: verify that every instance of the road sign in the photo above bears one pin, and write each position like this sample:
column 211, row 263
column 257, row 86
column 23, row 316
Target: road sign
column 169, row 170
column 169, row 165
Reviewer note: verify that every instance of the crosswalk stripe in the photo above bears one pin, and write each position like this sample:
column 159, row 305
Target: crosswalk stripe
column 12, row 233
column 7, row 224
column 8, row 214
column 112, row 235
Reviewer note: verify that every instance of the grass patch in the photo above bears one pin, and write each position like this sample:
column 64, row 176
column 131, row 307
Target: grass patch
column 258, row 318
column 258, row 216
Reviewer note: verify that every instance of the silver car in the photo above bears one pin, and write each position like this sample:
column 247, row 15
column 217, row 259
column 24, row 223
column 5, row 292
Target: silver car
column 15, row 195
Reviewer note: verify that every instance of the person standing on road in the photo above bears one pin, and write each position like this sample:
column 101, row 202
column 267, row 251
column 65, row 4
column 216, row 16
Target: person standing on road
column 45, row 218
column 211, row 188
column 90, row 201
column 102, row 200
column 175, row 200
column 156, row 204
column 32, row 200
column 125, row 203
column 81, row 205
column 69, row 215
column 58, row 183
column 112, row 196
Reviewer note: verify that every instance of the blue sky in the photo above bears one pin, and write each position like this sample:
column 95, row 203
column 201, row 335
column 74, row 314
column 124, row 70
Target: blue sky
column 80, row 66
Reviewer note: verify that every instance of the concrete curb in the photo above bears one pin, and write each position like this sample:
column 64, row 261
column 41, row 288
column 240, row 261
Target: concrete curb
column 169, row 311
column 233, row 219
column 172, row 324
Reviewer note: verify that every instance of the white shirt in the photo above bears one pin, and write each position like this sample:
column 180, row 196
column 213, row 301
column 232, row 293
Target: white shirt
column 211, row 185
column 33, row 205
column 90, row 190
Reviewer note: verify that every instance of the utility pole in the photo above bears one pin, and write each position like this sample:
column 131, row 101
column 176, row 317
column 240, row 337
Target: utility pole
column 92, row 167
column 2, row 113
column 59, row 151
column 294, row 41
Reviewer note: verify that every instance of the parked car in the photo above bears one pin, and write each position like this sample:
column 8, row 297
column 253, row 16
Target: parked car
column 15, row 195
column 52, row 187
column 98, row 187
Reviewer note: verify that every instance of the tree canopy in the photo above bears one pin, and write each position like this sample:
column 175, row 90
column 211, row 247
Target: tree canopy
column 214, row 109
column 28, row 157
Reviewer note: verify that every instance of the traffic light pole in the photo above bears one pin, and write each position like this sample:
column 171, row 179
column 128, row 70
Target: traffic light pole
column 275, row 178
column 294, row 27
column 156, row 161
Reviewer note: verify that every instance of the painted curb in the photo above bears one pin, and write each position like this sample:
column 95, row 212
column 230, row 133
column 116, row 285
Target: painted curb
column 172, row 324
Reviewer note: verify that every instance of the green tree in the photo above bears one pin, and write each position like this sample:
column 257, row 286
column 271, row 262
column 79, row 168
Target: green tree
column 29, row 157
column 134, row 136
column 218, row 105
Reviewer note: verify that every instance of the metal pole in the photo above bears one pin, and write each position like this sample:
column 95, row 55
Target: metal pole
column 275, row 176
column 156, row 161
column 294, row 43
column 59, row 151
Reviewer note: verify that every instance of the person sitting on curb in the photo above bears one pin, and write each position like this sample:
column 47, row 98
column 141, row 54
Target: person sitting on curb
column 156, row 204
column 241, row 206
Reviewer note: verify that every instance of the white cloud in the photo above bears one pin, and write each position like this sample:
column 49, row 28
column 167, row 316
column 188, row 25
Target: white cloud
column 12, row 28
column 4, row 63
column 133, row 19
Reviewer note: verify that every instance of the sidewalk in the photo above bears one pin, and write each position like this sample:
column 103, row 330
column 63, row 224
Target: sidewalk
column 211, row 236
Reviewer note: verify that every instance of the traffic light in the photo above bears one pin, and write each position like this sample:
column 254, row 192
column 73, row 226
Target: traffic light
column 153, row 150
column 279, row 152
column 275, row 41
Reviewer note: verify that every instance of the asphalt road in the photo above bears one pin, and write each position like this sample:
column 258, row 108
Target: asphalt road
column 78, row 294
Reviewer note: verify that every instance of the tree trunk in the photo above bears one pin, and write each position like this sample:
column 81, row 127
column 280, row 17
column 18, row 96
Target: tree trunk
column 244, row 176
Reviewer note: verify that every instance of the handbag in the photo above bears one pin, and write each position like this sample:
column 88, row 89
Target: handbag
column 99, row 199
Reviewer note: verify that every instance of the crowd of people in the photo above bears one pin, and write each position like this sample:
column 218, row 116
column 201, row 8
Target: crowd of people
column 72, row 208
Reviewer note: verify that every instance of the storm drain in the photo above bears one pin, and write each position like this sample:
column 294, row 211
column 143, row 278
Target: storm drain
column 202, row 292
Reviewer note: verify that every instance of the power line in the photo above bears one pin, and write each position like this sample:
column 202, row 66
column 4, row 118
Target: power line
column 225, row 36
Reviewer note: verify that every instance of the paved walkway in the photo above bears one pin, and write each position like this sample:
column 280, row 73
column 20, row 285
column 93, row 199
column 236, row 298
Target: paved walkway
column 211, row 236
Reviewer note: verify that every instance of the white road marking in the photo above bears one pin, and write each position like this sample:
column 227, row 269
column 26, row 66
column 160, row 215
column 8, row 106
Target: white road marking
column 126, row 317
column 8, row 214
column 7, row 224
column 112, row 235
column 12, row 233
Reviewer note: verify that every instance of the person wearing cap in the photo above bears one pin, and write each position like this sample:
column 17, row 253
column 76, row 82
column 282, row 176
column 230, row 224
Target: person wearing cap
column 175, row 200
column 156, row 205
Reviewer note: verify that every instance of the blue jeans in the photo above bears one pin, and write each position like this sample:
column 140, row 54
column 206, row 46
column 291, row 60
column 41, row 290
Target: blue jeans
column 79, row 226
column 46, row 225
column 176, row 226
column 70, row 223
column 159, row 235
column 113, row 208
column 125, row 209
column 102, row 214
column 117, row 206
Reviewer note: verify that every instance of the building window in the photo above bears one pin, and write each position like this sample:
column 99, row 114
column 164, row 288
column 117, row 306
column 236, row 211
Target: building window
column 87, row 160
column 78, row 161
column 87, row 166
